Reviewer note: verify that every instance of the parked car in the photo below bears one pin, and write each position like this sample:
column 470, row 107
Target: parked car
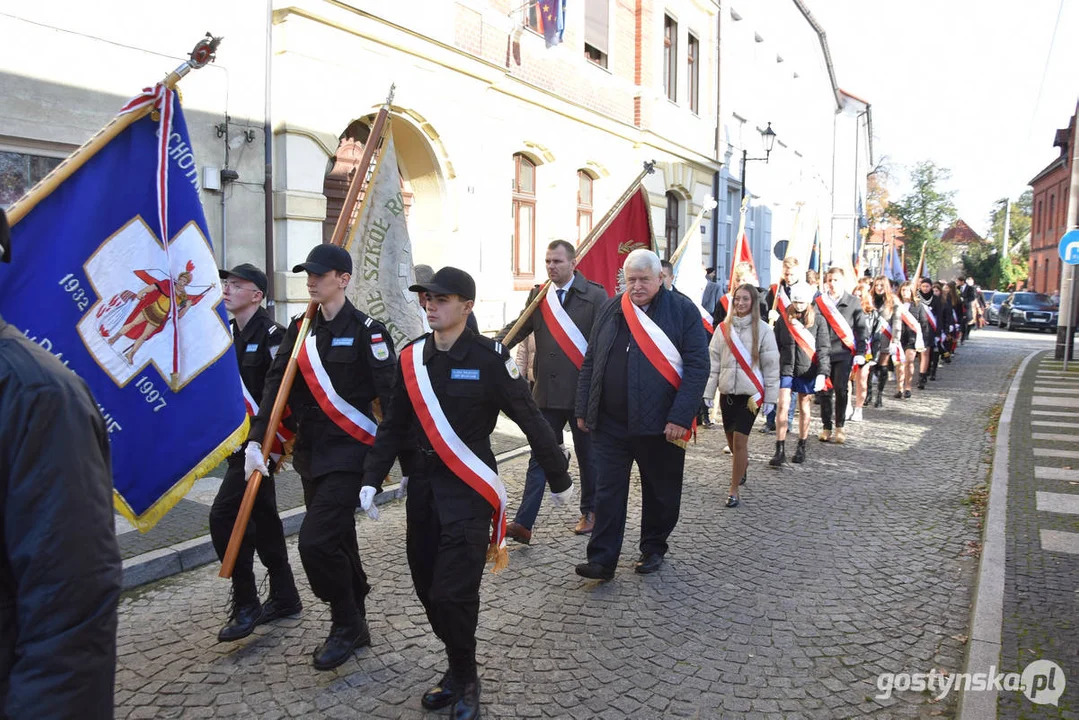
column 987, row 296
column 992, row 308
column 1028, row 310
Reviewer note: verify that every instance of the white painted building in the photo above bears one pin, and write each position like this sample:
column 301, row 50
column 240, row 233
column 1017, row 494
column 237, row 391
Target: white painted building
column 504, row 144
column 776, row 68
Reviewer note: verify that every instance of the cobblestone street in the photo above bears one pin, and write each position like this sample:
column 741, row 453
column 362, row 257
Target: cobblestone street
column 860, row 562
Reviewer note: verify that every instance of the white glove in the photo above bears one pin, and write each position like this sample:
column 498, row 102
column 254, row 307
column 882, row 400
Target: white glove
column 767, row 408
column 894, row 349
column 818, row 384
column 562, row 498
column 367, row 502
column 859, row 360
column 565, row 452
column 709, row 403
column 253, row 460
column 773, row 315
column 404, row 483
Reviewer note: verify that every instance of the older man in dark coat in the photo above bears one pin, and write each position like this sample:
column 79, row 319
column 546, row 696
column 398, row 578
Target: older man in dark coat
column 556, row 367
column 640, row 386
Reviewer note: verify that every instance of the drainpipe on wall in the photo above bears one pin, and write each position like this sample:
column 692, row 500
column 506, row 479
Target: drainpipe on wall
column 267, row 182
column 719, row 131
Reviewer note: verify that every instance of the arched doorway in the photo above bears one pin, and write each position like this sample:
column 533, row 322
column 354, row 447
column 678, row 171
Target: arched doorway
column 421, row 179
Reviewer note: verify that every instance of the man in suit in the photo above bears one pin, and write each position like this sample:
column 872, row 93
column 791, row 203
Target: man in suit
column 565, row 314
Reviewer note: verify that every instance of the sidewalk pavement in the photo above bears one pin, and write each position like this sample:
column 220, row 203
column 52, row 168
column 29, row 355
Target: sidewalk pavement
column 181, row 541
column 1027, row 599
column 827, row 577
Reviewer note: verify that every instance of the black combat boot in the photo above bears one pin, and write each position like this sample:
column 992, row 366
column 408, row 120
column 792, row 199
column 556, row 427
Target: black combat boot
column 800, row 452
column 245, row 611
column 348, row 632
column 444, row 694
column 781, row 454
column 284, row 600
column 467, row 706
column 881, row 382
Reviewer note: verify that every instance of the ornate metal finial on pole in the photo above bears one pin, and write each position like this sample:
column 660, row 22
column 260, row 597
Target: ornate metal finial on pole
column 204, row 53
column 650, row 166
column 389, row 98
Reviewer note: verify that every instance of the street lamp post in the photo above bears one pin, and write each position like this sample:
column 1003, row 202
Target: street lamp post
column 768, row 136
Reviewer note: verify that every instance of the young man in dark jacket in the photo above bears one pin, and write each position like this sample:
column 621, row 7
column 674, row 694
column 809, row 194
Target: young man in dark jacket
column 847, row 332
column 60, row 567
column 639, row 403
column 560, row 326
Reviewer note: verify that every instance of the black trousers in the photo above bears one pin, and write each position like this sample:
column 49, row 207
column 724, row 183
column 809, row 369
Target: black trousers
column 264, row 532
column 661, row 464
column 328, row 547
column 840, row 375
column 446, row 556
column 934, row 360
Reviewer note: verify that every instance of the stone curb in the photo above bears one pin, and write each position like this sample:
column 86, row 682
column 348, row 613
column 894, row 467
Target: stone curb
column 987, row 615
column 190, row 554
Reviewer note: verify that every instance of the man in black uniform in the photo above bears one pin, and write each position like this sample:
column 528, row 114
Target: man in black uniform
column 471, row 378
column 345, row 365
column 255, row 338
column 59, row 561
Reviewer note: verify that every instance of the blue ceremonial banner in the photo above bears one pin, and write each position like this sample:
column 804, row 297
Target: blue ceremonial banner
column 141, row 322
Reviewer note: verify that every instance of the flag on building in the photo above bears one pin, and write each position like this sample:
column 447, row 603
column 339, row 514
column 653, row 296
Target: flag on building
column 689, row 276
column 629, row 230
column 115, row 275
column 382, row 253
column 551, row 20
column 742, row 253
column 814, row 253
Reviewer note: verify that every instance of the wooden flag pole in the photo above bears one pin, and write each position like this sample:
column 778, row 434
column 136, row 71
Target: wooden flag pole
column 918, row 271
column 590, row 240
column 203, row 54
column 709, row 204
column 374, row 140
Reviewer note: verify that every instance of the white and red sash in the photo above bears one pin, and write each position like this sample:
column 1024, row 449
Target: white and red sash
column 955, row 317
column 283, row 435
column 913, row 325
column 803, row 337
column 725, row 301
column 937, row 334
column 654, row 343
column 836, row 321
column 343, row 415
column 706, row 319
column 451, row 449
column 893, row 346
column 565, row 332
column 806, row 342
column 743, row 358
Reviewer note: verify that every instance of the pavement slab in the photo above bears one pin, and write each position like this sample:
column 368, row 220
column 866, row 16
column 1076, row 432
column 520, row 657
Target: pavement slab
column 857, row 563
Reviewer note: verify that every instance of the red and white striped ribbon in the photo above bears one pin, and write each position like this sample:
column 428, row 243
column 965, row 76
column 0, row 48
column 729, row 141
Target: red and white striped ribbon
column 565, row 332
column 340, row 412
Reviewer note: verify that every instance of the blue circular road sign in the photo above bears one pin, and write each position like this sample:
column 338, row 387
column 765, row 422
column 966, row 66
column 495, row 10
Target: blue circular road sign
column 1069, row 247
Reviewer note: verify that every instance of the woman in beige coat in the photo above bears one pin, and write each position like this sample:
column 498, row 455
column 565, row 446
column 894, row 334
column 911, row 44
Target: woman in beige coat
column 737, row 390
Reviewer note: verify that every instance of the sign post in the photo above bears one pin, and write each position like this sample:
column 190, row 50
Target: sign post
column 1069, row 253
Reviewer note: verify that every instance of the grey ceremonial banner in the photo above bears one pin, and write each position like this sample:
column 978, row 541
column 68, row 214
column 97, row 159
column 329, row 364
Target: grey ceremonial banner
column 382, row 254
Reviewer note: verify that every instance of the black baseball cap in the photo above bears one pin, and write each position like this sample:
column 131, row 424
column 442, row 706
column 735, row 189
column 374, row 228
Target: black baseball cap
column 5, row 238
column 324, row 258
column 246, row 271
column 449, row 281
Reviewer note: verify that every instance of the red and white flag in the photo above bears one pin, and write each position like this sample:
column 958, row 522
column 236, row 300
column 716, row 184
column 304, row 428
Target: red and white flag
column 629, row 230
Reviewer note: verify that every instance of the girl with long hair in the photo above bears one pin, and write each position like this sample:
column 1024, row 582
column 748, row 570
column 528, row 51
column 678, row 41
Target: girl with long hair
column 913, row 333
column 804, row 364
column 860, row 376
column 743, row 354
column 885, row 335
